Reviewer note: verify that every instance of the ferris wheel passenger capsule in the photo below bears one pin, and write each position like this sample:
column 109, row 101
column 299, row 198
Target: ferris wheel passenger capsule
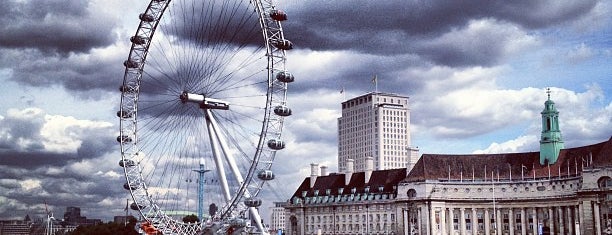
column 282, row 110
column 278, row 15
column 124, row 114
column 146, row 17
column 138, row 40
column 276, row 144
column 252, row 202
column 127, row 163
column 136, row 207
column 285, row 77
column 124, row 139
column 283, row 44
column 126, row 89
column 265, row 175
column 127, row 186
column 130, row 64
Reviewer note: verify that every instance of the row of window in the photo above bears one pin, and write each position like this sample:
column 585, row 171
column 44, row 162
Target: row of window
column 330, row 229
column 344, row 218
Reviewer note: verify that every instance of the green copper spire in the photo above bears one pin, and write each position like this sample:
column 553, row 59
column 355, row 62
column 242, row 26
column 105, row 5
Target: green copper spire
column 550, row 142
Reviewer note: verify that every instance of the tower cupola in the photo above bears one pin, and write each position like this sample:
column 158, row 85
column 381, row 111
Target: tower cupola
column 551, row 141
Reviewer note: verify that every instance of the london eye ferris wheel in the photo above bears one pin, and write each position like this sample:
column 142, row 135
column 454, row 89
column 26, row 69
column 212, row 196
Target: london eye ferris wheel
column 203, row 102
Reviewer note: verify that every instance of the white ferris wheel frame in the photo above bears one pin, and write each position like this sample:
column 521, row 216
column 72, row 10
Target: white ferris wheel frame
column 271, row 129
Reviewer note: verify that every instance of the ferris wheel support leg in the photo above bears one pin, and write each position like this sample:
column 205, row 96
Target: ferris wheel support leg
column 218, row 160
column 234, row 167
column 228, row 156
column 257, row 220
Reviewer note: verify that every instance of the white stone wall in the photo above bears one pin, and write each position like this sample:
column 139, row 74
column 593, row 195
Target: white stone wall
column 515, row 190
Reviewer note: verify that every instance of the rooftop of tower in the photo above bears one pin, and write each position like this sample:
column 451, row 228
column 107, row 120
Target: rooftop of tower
column 376, row 93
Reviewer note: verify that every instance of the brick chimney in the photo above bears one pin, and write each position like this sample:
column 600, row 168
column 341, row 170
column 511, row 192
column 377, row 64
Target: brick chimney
column 369, row 161
column 349, row 170
column 314, row 172
column 323, row 170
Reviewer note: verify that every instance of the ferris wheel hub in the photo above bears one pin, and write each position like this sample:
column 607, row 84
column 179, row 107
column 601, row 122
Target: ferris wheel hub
column 203, row 101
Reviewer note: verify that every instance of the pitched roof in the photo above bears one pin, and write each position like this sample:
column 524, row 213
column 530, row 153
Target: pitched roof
column 385, row 178
column 509, row 165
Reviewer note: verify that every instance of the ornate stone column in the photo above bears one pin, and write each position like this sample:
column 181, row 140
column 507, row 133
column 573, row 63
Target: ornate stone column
column 560, row 217
column 578, row 218
column 443, row 220
column 570, row 221
column 597, row 218
column 451, row 217
column 462, row 221
column 511, row 220
column 487, row 221
column 432, row 225
column 498, row 221
column 534, row 218
column 524, row 222
column 419, row 221
column 551, row 220
column 474, row 221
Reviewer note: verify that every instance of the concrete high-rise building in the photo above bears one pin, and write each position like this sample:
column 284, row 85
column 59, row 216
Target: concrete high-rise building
column 375, row 125
column 277, row 217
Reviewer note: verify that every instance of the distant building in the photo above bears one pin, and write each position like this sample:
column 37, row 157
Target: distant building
column 73, row 216
column 121, row 219
column 277, row 217
column 506, row 193
column 375, row 125
column 15, row 227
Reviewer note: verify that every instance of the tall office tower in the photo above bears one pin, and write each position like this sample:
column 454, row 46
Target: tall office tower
column 375, row 125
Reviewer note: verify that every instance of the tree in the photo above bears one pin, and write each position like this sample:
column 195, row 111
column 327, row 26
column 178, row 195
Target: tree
column 191, row 219
column 109, row 228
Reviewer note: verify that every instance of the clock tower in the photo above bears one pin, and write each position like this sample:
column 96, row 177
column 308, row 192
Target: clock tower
column 551, row 141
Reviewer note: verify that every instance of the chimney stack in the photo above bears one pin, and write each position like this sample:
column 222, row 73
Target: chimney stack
column 323, row 170
column 314, row 172
column 348, row 173
column 369, row 161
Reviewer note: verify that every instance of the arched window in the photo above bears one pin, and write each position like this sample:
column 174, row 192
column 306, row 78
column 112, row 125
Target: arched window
column 411, row 193
column 604, row 182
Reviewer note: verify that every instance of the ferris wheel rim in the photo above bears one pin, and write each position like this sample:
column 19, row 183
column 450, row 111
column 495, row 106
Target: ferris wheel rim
column 133, row 73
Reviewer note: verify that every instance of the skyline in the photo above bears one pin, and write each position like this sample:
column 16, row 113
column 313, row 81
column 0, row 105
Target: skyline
column 476, row 73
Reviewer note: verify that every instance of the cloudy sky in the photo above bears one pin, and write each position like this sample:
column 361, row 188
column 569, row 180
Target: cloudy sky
column 475, row 71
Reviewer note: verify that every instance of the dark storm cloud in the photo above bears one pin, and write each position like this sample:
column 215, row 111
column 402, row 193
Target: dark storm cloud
column 53, row 26
column 211, row 22
column 32, row 160
column 409, row 27
column 84, row 75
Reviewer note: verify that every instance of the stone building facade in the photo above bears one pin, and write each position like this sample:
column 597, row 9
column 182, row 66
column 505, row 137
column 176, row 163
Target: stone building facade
column 509, row 193
column 350, row 203
column 464, row 194
column 566, row 192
